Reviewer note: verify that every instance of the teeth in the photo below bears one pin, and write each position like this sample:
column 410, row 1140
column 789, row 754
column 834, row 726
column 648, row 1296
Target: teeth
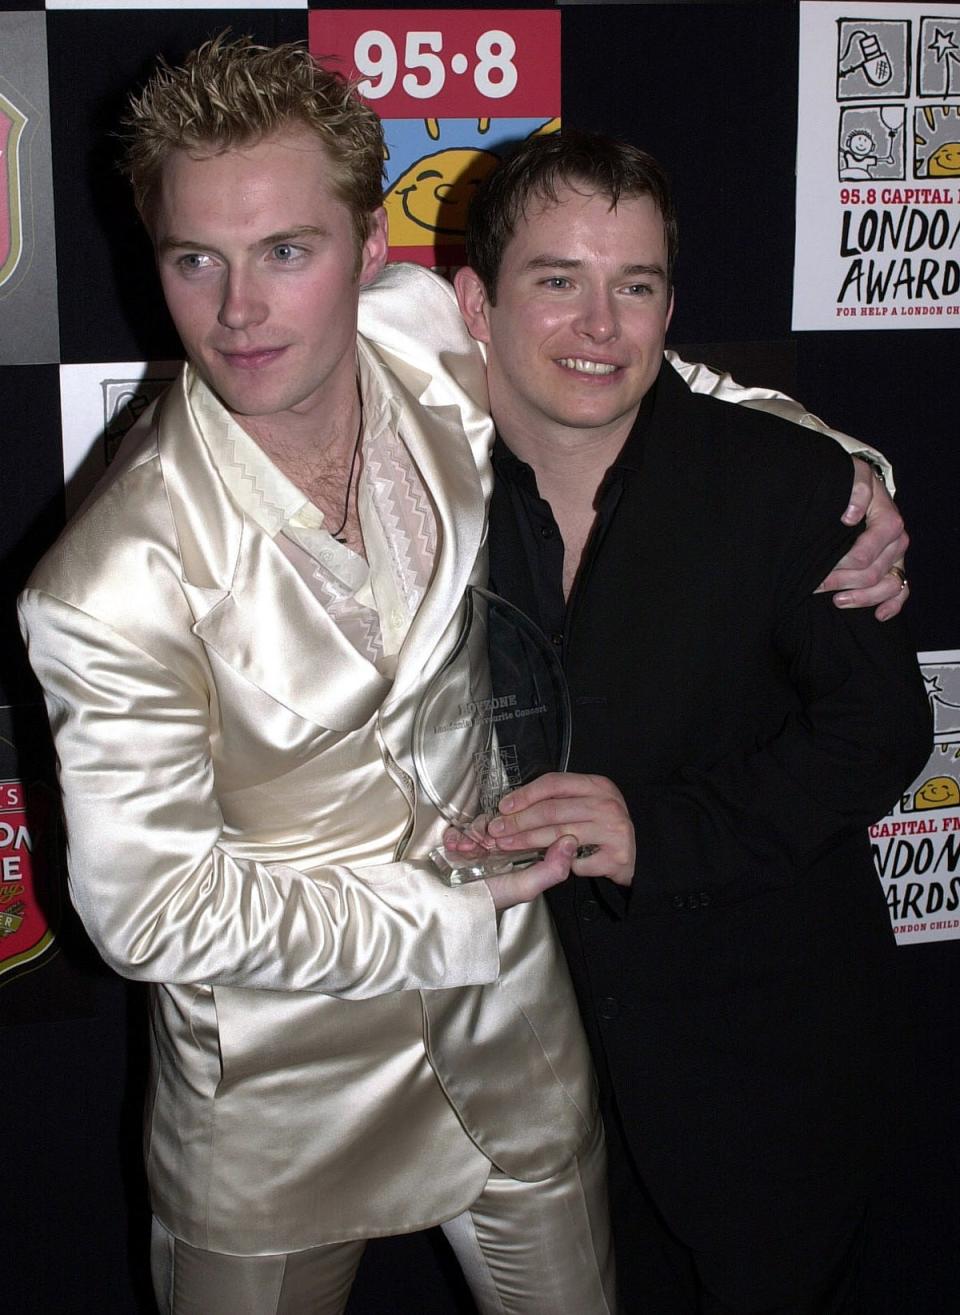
column 586, row 367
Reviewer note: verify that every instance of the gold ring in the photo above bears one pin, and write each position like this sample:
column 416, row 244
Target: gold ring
column 899, row 574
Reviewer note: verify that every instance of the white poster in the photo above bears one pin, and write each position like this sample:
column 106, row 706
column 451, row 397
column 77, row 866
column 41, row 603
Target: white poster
column 916, row 847
column 98, row 404
column 878, row 167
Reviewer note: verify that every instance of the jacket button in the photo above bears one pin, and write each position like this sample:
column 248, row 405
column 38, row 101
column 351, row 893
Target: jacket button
column 557, row 638
column 608, row 1008
column 679, row 902
column 589, row 910
column 704, row 898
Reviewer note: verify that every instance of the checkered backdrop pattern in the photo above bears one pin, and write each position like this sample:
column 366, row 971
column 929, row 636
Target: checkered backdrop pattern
column 708, row 87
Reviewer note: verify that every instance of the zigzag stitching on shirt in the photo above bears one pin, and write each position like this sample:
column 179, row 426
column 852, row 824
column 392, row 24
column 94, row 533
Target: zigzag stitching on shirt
column 404, row 510
column 246, row 479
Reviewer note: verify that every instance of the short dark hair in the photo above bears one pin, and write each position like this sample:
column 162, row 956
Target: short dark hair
column 587, row 161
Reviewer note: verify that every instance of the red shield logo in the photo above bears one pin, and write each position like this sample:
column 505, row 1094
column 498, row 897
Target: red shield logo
column 29, row 900
column 12, row 124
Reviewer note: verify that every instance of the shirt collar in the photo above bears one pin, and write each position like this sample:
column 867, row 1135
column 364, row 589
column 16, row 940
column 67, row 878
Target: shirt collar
column 258, row 487
column 508, row 465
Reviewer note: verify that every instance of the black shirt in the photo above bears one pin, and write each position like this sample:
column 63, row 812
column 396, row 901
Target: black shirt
column 539, row 590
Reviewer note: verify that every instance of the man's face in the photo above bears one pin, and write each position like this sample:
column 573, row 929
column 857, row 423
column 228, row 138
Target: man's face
column 576, row 337
column 257, row 258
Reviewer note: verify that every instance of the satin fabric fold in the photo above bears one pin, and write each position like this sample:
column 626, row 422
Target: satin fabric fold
column 341, row 1044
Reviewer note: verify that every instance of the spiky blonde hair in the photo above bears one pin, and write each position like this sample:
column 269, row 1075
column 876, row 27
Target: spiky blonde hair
column 229, row 93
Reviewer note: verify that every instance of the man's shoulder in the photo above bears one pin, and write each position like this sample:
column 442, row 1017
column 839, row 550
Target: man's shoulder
column 751, row 442
column 410, row 317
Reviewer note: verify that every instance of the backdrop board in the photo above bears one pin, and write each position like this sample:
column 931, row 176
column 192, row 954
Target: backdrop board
column 878, row 167
column 28, row 268
column 734, row 98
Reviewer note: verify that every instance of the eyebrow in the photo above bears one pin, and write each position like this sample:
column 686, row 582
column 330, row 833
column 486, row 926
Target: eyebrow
column 562, row 262
column 174, row 243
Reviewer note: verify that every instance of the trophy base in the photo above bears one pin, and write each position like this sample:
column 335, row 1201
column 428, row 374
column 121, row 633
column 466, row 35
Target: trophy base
column 458, row 870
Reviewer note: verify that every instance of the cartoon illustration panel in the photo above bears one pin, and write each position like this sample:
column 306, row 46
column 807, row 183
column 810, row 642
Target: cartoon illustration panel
column 865, row 132
column 938, row 55
column 936, row 141
column 873, row 57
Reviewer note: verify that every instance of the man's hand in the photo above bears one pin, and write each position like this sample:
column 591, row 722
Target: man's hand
column 871, row 573
column 524, row 884
column 589, row 808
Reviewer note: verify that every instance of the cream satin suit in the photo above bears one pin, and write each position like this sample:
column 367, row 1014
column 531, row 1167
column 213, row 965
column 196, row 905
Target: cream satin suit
column 342, row 1046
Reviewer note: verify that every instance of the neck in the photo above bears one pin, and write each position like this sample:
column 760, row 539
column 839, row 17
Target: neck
column 309, row 438
column 314, row 452
column 324, row 464
column 570, row 464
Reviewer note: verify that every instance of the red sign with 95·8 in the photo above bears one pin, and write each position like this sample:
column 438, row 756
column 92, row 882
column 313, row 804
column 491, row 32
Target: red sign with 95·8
column 417, row 63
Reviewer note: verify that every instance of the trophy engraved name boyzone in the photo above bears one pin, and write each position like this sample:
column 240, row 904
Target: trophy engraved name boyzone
column 495, row 716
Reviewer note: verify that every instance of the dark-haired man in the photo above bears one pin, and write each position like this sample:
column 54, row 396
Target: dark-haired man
column 734, row 985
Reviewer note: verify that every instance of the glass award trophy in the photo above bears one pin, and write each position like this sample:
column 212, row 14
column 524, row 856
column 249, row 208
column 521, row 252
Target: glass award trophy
column 495, row 716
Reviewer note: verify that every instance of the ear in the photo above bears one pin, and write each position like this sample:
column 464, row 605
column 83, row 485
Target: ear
column 473, row 301
column 373, row 256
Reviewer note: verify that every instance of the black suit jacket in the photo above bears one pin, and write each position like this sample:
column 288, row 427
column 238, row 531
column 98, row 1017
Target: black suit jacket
column 735, row 997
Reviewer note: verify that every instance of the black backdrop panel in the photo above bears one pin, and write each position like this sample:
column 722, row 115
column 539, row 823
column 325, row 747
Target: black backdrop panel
column 711, row 88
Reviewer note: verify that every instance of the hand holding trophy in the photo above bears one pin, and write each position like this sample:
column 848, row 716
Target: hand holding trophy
column 495, row 716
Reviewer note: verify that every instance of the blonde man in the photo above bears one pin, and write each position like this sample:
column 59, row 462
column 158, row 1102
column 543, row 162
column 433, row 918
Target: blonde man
column 234, row 637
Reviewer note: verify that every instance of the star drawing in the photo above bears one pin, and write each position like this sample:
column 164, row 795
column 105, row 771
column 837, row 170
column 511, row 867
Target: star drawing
column 943, row 45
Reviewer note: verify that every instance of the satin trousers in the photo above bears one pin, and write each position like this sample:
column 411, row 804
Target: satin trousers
column 525, row 1249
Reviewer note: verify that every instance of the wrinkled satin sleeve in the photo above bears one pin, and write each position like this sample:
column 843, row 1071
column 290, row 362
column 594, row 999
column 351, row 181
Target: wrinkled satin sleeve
column 160, row 894
column 701, row 379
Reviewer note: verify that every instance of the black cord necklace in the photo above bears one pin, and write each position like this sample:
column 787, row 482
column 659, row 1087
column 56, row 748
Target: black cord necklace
column 338, row 532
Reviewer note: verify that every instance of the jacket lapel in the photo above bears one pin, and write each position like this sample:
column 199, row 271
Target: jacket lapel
column 434, row 437
column 251, row 607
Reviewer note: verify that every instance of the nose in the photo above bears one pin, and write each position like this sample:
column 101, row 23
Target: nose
column 243, row 305
column 597, row 318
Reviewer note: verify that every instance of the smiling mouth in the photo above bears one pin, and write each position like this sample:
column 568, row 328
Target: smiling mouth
column 581, row 366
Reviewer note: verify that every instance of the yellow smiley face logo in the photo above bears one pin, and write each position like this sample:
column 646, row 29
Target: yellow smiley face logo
column 938, row 792
column 432, row 198
column 945, row 161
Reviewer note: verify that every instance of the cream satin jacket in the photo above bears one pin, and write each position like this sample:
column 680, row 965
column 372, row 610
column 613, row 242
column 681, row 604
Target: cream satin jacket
column 341, row 1044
